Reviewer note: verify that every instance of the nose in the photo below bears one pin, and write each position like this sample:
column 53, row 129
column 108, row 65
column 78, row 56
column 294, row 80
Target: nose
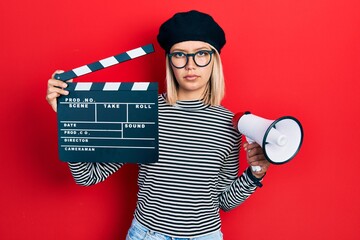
column 191, row 63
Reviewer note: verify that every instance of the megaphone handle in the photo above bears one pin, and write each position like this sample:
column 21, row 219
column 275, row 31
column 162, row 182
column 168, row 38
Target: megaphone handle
column 254, row 168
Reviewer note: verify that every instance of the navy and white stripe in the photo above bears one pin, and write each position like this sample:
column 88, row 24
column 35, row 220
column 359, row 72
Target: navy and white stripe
column 113, row 86
column 196, row 175
column 104, row 63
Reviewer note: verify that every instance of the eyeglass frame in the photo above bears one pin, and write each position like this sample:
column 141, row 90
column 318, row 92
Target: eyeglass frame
column 211, row 52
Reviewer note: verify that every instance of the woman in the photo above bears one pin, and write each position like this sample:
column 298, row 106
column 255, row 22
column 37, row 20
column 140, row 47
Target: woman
column 197, row 171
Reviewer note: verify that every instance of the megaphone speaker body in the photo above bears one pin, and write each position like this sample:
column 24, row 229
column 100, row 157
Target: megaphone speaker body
column 280, row 139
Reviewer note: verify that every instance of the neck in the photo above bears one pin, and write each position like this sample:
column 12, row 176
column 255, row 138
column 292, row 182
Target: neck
column 189, row 95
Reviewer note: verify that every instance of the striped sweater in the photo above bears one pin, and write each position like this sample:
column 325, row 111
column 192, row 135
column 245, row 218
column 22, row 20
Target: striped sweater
column 195, row 176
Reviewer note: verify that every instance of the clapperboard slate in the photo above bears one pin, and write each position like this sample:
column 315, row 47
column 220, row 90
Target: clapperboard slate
column 109, row 122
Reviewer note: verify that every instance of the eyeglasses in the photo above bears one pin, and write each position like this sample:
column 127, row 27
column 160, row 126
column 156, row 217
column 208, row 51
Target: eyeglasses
column 201, row 58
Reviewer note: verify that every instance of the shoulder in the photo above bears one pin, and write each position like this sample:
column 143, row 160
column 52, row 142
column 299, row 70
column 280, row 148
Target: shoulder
column 221, row 111
column 162, row 99
column 223, row 116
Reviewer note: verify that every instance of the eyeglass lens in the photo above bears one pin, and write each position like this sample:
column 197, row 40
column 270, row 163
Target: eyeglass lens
column 180, row 59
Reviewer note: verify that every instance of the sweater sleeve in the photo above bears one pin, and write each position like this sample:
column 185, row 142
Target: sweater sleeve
column 86, row 173
column 235, row 189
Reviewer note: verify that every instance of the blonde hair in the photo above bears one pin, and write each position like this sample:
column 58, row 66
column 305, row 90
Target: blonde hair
column 215, row 89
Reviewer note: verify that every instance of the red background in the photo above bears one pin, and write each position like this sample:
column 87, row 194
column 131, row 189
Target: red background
column 299, row 58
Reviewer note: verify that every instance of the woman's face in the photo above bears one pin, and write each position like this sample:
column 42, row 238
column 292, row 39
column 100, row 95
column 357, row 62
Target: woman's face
column 192, row 79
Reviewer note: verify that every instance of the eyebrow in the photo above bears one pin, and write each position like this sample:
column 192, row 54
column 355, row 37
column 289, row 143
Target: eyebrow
column 195, row 50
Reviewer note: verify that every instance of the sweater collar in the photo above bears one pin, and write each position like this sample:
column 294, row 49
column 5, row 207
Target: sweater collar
column 197, row 104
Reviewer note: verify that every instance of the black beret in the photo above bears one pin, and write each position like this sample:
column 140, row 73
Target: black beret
column 191, row 26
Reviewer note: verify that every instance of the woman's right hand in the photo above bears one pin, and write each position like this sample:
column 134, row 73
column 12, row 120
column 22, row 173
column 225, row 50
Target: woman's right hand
column 55, row 88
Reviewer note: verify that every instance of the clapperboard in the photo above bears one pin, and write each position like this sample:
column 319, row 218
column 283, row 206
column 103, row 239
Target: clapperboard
column 108, row 121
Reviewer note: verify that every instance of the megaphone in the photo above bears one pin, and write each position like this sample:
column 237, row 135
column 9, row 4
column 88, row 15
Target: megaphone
column 280, row 139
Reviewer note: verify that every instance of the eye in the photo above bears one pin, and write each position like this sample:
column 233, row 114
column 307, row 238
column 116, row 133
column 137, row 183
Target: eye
column 202, row 53
column 178, row 54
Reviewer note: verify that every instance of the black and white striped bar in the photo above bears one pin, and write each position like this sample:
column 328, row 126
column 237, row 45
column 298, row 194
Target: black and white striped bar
column 109, row 122
column 105, row 63
column 112, row 86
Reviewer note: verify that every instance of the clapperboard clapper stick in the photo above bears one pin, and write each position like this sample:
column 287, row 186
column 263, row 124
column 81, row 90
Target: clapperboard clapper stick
column 104, row 63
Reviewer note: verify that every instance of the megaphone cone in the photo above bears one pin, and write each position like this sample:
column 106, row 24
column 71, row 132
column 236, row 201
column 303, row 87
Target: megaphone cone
column 280, row 139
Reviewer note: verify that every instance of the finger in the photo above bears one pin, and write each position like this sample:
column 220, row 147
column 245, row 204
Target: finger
column 56, row 83
column 51, row 97
column 254, row 151
column 57, row 90
column 255, row 155
column 261, row 162
column 249, row 147
column 245, row 145
column 256, row 159
column 252, row 145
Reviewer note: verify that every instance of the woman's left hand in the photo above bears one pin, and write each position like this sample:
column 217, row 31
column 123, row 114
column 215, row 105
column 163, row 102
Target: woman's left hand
column 255, row 157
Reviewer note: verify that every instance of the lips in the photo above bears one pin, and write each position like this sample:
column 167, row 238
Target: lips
column 191, row 77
